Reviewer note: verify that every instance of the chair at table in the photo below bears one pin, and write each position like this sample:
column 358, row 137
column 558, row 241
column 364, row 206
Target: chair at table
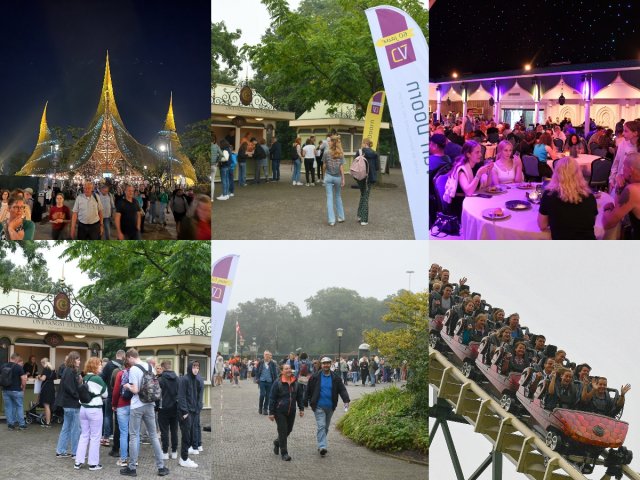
column 453, row 208
column 558, row 143
column 483, row 149
column 600, row 152
column 600, row 170
column 530, row 168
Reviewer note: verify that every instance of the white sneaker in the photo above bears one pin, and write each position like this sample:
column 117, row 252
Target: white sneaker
column 165, row 456
column 293, row 183
column 223, row 197
column 307, row 184
column 200, row 449
column 188, row 463
column 313, row 184
column 300, row 183
column 193, row 451
column 364, row 223
column 232, row 195
column 174, row 455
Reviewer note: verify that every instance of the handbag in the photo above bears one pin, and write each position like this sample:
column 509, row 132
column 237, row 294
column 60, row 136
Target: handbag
column 445, row 225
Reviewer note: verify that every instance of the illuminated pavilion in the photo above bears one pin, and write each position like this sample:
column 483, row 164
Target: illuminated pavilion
column 108, row 150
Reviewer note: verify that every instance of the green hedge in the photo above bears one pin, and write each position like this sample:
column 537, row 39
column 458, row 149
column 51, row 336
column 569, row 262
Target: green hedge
column 384, row 420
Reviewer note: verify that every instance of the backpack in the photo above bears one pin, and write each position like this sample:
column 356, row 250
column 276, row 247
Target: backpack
column 126, row 394
column 84, row 394
column 5, row 375
column 294, row 152
column 359, row 167
column 225, row 157
column 150, row 391
column 234, row 160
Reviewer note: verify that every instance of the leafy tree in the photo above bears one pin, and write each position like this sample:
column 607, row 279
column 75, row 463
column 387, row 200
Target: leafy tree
column 137, row 280
column 333, row 61
column 224, row 51
column 32, row 251
column 196, row 144
column 408, row 343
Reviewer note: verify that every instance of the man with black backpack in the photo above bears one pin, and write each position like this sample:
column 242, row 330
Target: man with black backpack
column 168, row 410
column 13, row 381
column 189, row 390
column 146, row 391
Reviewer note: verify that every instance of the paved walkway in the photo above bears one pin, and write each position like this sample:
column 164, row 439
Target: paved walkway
column 280, row 211
column 30, row 455
column 243, row 446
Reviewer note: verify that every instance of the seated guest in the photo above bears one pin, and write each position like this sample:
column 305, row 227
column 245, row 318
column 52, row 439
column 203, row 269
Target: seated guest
column 628, row 144
column 518, row 360
column 628, row 202
column 506, row 168
column 543, row 376
column 538, row 348
column 598, row 399
column 525, row 147
column 544, row 150
column 560, row 358
column 437, row 158
column 513, row 321
column 468, row 183
column 575, row 145
column 477, row 331
column 499, row 340
column 465, row 309
column 15, row 227
column 557, row 133
column 440, row 303
column 563, row 393
column 567, row 206
column 497, row 317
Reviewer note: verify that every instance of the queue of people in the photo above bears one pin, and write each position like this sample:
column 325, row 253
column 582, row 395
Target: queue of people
column 127, row 399
column 503, row 342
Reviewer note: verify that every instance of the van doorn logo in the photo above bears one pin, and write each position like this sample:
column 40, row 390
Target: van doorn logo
column 396, row 38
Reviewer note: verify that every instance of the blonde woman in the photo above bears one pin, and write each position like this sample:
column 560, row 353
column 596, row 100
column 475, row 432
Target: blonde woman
column 334, row 179
column 47, row 390
column 4, row 205
column 507, row 168
column 568, row 207
column 296, row 154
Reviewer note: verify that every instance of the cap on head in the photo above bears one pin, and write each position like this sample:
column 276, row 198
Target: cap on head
column 325, row 360
column 28, row 190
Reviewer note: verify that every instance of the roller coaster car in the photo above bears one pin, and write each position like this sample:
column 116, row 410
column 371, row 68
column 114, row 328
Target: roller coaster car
column 581, row 436
column 505, row 384
column 466, row 353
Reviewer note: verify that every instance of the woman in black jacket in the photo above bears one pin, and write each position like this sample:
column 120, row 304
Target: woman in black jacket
column 69, row 400
column 285, row 394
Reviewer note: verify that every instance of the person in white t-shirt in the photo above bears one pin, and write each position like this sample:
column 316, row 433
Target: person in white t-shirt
column 309, row 154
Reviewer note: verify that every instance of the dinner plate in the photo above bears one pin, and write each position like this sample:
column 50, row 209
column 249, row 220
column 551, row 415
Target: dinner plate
column 496, row 190
column 490, row 214
column 518, row 205
column 526, row 186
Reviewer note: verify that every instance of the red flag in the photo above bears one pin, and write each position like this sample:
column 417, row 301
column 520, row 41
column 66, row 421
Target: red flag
column 237, row 327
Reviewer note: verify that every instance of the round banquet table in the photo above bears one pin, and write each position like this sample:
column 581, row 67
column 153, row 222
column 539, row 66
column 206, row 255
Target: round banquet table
column 584, row 161
column 522, row 225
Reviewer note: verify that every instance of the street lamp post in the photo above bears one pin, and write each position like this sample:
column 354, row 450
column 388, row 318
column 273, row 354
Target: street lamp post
column 254, row 348
column 339, row 332
column 410, row 272
column 55, row 147
column 241, row 345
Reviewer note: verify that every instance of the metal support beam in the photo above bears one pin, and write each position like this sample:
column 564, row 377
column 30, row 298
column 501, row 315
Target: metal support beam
column 452, row 451
column 483, row 466
column 496, row 471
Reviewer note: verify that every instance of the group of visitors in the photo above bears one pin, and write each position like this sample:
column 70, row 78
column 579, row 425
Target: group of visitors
column 324, row 163
column 126, row 398
column 512, row 348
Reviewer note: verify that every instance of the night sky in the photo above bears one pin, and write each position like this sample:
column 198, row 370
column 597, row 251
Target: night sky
column 478, row 36
column 55, row 51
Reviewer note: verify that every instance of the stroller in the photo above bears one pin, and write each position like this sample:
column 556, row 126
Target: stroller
column 33, row 416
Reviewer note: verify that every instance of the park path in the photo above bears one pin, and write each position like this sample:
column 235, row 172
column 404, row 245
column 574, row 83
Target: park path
column 243, row 444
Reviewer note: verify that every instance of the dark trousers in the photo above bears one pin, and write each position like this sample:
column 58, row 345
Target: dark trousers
column 168, row 420
column 265, row 389
column 116, row 430
column 186, row 428
column 196, row 432
column 308, row 169
column 363, row 206
column 88, row 231
column 320, row 166
column 285, row 425
column 275, row 168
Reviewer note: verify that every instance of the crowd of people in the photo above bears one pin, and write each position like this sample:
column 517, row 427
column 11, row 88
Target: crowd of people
column 114, row 211
column 126, row 399
column 458, row 169
column 300, row 382
column 504, row 342
column 323, row 159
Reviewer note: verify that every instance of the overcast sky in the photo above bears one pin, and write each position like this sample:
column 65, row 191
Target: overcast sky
column 73, row 276
column 294, row 271
column 581, row 295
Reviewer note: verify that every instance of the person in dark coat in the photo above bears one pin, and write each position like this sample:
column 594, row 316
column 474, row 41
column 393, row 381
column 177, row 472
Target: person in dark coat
column 275, row 152
column 265, row 374
column 188, row 395
column 69, row 399
column 322, row 393
column 285, row 394
column 168, row 410
column 373, row 165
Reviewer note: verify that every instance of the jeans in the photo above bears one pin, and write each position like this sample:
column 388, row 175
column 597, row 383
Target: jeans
column 91, row 428
column 163, row 211
column 242, row 173
column 147, row 415
column 168, row 420
column 224, row 177
column 70, row 432
column 186, row 428
column 296, row 171
column 308, row 169
column 13, row 407
column 230, row 182
column 259, row 167
column 107, row 424
column 106, row 233
column 285, row 425
column 334, row 184
column 123, row 414
column 275, row 167
column 265, row 388
column 323, row 418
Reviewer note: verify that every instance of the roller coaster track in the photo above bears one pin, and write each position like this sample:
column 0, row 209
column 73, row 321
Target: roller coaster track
column 464, row 401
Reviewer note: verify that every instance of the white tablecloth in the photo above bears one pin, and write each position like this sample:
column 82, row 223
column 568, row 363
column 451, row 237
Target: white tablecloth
column 584, row 161
column 522, row 225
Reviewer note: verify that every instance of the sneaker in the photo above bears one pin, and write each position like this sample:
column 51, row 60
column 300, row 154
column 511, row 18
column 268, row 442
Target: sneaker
column 341, row 220
column 200, row 449
column 11, row 427
column 129, row 472
column 193, row 451
column 174, row 455
column 104, row 442
column 232, row 195
column 286, row 457
column 22, row 427
column 276, row 447
column 122, row 463
column 95, row 467
column 188, row 463
column 63, row 455
column 313, row 184
column 223, row 197
column 77, row 466
column 265, row 412
column 165, row 456
column 307, row 184
column 260, row 411
column 331, row 224
column 300, row 183
column 163, row 472
column 293, row 183
column 364, row 223
column 323, row 452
